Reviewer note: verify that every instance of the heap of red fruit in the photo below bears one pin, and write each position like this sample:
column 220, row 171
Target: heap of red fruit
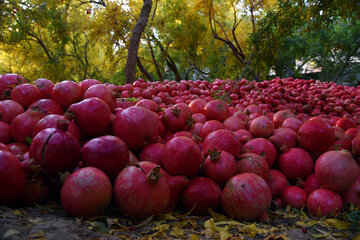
column 189, row 145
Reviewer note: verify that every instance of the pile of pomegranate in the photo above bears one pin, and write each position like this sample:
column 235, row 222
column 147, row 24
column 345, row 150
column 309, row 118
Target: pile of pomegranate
column 150, row 147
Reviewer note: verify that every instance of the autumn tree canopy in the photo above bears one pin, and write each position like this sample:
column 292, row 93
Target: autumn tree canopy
column 194, row 39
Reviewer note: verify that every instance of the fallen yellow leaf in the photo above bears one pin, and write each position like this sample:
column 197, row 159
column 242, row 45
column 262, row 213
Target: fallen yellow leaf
column 217, row 217
column 177, row 232
column 339, row 224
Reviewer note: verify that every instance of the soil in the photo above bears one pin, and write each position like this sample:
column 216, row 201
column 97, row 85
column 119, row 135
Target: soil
column 50, row 221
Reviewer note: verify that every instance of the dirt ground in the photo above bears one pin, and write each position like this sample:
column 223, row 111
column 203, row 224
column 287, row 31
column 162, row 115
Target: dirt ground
column 50, row 221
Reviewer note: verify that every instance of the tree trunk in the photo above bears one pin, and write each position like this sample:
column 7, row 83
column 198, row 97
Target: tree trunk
column 130, row 68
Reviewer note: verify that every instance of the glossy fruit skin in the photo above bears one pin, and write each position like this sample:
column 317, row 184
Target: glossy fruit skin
column 296, row 163
column 107, row 153
column 92, row 116
column 324, row 202
column 137, row 195
column 174, row 118
column 9, row 81
column 197, row 105
column 222, row 140
column 45, row 86
column 261, row 127
column 12, row 178
column 262, row 147
column 210, row 126
column 149, row 104
column 55, row 150
column 86, row 83
column 243, row 135
column 220, row 169
column 86, row 193
column 294, row 196
column 234, row 123
column 25, row 94
column 246, row 196
column 103, row 92
column 216, row 110
column 182, row 156
column 177, row 184
column 284, row 139
column 23, row 124
column 252, row 163
column 66, row 93
column 201, row 194
column 9, row 109
column 345, row 123
column 277, row 182
column 316, row 135
column 336, row 170
column 280, row 116
column 152, row 153
column 137, row 127
column 292, row 123
column 311, row 184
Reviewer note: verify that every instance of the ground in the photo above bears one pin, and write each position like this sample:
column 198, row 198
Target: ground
column 50, row 221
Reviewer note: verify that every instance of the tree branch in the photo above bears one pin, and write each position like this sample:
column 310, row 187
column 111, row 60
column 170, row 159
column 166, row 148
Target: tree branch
column 100, row 2
column 143, row 70
column 154, row 59
column 350, row 54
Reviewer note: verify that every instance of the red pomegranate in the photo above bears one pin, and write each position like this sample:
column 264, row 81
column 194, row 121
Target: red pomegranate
column 12, row 178
column 222, row 140
column 352, row 194
column 174, row 118
column 86, row 83
column 104, row 93
column 25, row 94
column 86, row 193
column 246, row 196
column 201, row 194
column 152, row 153
column 47, row 106
column 296, row 163
column 324, row 202
column 281, row 115
column 219, row 166
column 45, row 86
column 107, row 153
column 141, row 191
column 234, row 123
column 252, row 163
column 149, row 104
column 9, row 109
column 66, row 93
column 177, row 184
column 336, row 170
column 197, row 105
column 243, row 135
column 261, row 127
column 182, row 156
column 294, row 196
column 311, row 184
column 7, row 82
column 262, row 147
column 284, row 139
column 292, row 123
column 210, row 126
column 277, row 182
column 216, row 110
column 5, row 136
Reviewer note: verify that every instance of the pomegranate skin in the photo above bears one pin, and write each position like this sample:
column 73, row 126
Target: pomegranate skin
column 352, row 194
column 25, row 94
column 261, row 127
column 139, row 192
column 246, row 196
column 280, row 116
column 9, row 81
column 316, row 135
column 152, row 153
column 92, row 116
column 48, row 106
column 252, row 163
column 277, row 182
column 216, row 110
column 201, row 194
column 284, row 139
column 12, row 178
column 220, row 168
column 86, row 193
column 296, row 163
column 66, row 93
column 107, row 153
column 104, row 93
column 336, row 170
column 222, row 140
column 177, row 184
column 182, row 156
column 137, row 127
column 23, row 124
column 45, row 86
column 9, row 109
column 5, row 136
column 324, row 202
column 311, row 184
column 262, row 147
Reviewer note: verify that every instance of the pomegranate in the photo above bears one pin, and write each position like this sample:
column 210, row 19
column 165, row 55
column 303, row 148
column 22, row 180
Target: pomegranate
column 234, row 123
column 66, row 93
column 7, row 82
column 141, row 191
column 182, row 156
column 262, row 147
column 174, row 119
column 352, row 194
column 201, row 194
column 324, row 202
column 149, row 104
column 345, row 123
column 216, row 110
column 92, row 116
column 177, row 184
column 9, row 109
column 210, row 126
column 152, row 153
column 252, row 163
column 25, row 94
column 37, row 190
column 107, row 153
column 12, row 178
column 316, row 135
column 280, row 116
column 199, row 118
column 55, row 149
column 246, row 196
column 86, row 83
column 277, row 182
column 219, row 166
column 294, row 196
column 104, row 93
column 137, row 126
column 222, row 140
column 47, row 106
column 261, row 127
column 336, row 170
column 5, row 136
column 284, row 139
column 197, row 105
column 86, row 193
column 45, row 86
column 292, row 123
column 18, row 148
column 243, row 135
column 296, row 163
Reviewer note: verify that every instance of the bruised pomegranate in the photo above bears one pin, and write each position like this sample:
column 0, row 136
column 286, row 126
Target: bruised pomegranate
column 137, row 127
column 219, row 166
column 182, row 156
column 262, row 147
column 294, row 196
column 252, row 163
column 277, row 182
column 336, row 170
column 9, row 109
column 92, row 116
column 261, row 127
column 201, row 194
column 86, row 193
column 316, row 135
column 12, row 178
column 141, row 191
column 296, row 163
column 246, row 196
column 324, row 202
column 222, row 140
column 107, row 153
column 152, row 153
column 55, row 149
